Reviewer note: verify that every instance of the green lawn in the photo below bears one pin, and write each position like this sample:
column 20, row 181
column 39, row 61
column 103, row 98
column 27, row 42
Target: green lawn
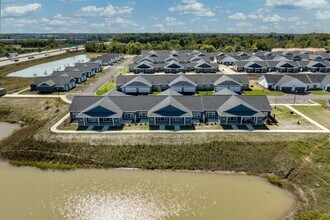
column 202, row 93
column 321, row 102
column 319, row 92
column 256, row 89
column 286, row 120
column 123, row 71
column 106, row 88
column 317, row 113
column 155, row 92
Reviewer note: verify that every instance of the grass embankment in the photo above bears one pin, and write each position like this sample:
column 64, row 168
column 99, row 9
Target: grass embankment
column 299, row 162
column 107, row 87
column 14, row 84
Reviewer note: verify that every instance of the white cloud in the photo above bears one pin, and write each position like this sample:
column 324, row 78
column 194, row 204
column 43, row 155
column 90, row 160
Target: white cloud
column 62, row 21
column 170, row 21
column 122, row 22
column 192, row 7
column 275, row 18
column 17, row 11
column 108, row 11
column 243, row 24
column 307, row 4
column 154, row 17
column 237, row 16
column 272, row 18
column 322, row 15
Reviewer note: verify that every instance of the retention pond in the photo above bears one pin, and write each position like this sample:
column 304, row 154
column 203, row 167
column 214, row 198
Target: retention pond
column 46, row 69
column 30, row 193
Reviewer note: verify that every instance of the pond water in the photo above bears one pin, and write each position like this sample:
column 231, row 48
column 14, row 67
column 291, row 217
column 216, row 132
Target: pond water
column 29, row 193
column 48, row 68
column 7, row 128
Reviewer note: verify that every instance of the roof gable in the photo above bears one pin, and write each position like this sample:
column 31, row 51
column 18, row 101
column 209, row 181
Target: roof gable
column 102, row 108
column 169, row 107
column 237, row 107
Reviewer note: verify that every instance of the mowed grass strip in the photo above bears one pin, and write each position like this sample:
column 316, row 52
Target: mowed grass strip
column 107, row 87
column 317, row 113
column 288, row 121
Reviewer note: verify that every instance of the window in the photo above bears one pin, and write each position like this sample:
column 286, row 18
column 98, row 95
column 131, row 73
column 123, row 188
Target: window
column 232, row 118
column 143, row 114
column 210, row 114
column 196, row 115
column 92, row 120
column 107, row 119
column 128, row 115
column 177, row 119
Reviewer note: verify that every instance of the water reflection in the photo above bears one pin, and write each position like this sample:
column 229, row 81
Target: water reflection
column 48, row 68
column 28, row 193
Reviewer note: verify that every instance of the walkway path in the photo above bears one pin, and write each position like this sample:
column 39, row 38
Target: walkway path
column 307, row 118
column 323, row 129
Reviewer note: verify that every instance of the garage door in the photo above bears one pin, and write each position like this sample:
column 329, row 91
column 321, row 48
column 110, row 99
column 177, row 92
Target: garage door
column 235, row 88
column 190, row 89
column 131, row 90
column 300, row 89
column 286, row 89
column 177, row 88
column 143, row 90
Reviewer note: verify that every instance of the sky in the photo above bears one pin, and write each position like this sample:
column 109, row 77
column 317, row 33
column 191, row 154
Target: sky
column 131, row 16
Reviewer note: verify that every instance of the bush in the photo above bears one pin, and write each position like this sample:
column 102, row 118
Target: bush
column 274, row 180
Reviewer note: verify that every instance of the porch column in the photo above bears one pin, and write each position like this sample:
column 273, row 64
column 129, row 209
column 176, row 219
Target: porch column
column 113, row 121
column 98, row 121
column 242, row 120
column 169, row 120
column 184, row 121
column 154, row 120
column 226, row 120
column 84, row 121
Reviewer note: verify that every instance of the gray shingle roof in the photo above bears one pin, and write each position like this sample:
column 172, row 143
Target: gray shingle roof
column 225, row 91
column 169, row 107
column 237, row 107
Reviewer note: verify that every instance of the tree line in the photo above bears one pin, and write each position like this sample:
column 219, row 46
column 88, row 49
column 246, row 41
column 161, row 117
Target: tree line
column 134, row 43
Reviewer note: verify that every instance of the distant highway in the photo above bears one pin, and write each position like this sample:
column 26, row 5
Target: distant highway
column 25, row 57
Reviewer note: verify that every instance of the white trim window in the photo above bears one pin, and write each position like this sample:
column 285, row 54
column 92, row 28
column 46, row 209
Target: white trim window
column 196, row 115
column 107, row 119
column 210, row 114
column 232, row 118
column 143, row 114
column 129, row 115
column 92, row 120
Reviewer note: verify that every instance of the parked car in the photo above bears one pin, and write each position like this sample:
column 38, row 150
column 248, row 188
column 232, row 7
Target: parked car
column 30, row 57
column 2, row 92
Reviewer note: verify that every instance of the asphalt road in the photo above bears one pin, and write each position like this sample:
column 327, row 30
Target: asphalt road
column 24, row 57
column 111, row 73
